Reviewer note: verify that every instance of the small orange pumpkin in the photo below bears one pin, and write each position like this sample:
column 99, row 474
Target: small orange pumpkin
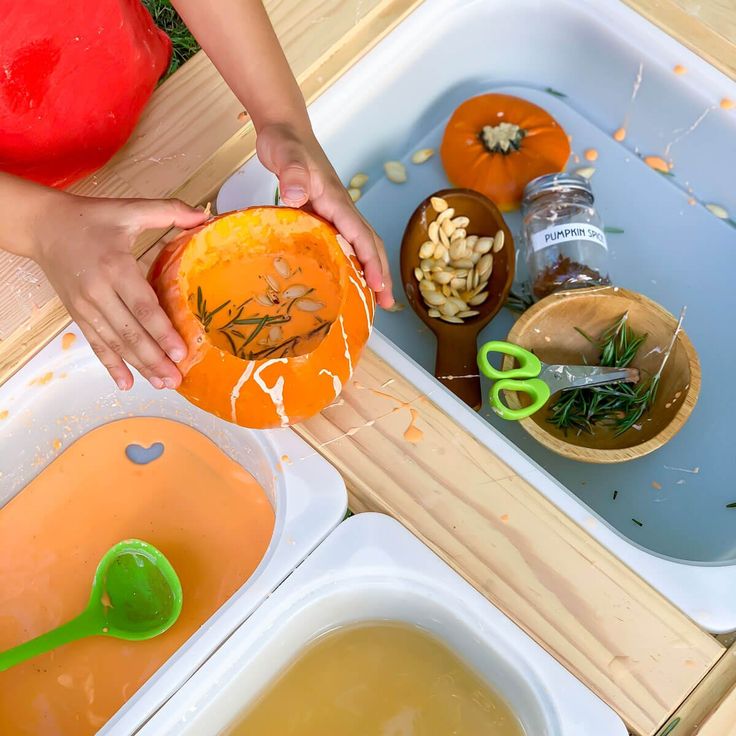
column 496, row 144
column 274, row 309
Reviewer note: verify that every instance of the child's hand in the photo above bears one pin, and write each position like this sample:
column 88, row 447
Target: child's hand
column 84, row 247
column 305, row 175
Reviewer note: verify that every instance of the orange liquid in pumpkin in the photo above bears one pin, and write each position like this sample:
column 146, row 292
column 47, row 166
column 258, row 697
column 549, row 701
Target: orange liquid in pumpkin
column 264, row 306
column 201, row 509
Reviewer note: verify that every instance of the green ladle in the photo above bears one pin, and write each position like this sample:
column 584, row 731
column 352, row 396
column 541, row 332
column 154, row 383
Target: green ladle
column 136, row 595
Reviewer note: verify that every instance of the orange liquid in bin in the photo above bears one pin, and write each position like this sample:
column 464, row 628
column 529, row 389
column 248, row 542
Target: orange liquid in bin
column 208, row 515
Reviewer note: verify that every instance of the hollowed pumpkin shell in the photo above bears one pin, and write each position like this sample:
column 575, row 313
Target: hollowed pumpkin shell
column 271, row 392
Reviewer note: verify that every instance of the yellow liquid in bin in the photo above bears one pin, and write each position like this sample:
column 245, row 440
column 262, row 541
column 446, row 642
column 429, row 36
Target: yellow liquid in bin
column 378, row 680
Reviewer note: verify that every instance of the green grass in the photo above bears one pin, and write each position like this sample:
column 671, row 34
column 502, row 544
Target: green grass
column 169, row 21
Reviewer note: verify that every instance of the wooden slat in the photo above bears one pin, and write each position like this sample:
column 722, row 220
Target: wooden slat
column 710, row 710
column 598, row 618
column 707, row 27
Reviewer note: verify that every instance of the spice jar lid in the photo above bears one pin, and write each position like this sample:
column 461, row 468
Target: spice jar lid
column 556, row 183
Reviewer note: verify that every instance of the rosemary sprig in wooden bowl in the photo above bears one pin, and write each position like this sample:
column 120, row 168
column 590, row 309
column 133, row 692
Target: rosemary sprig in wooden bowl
column 616, row 406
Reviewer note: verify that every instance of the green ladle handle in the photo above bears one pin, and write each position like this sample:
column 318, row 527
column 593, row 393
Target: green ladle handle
column 537, row 390
column 85, row 624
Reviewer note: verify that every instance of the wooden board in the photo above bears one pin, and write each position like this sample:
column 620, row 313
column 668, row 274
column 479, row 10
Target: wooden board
column 598, row 618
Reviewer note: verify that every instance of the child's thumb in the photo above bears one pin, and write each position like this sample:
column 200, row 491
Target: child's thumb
column 294, row 184
column 157, row 213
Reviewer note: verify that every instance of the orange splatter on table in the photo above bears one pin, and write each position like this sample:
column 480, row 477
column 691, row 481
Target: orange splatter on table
column 620, row 134
column 658, row 164
column 42, row 380
column 727, row 104
column 204, row 511
column 679, row 69
column 67, row 340
column 591, row 154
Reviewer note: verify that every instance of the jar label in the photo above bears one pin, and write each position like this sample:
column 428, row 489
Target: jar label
column 558, row 234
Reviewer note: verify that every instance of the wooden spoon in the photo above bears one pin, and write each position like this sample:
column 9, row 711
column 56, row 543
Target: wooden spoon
column 457, row 344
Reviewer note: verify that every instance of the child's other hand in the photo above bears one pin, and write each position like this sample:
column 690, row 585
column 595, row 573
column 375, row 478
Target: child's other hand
column 84, row 247
column 306, row 175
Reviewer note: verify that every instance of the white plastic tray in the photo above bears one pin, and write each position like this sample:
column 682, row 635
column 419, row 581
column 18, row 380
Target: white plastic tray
column 308, row 496
column 613, row 68
column 371, row 568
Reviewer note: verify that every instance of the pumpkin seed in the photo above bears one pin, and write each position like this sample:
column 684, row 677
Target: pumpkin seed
column 444, row 215
column 457, row 283
column 468, row 313
column 459, row 303
column 359, row 180
column 461, row 221
column 469, row 279
column 471, row 241
column 264, row 300
column 438, row 204
column 458, row 234
column 426, row 264
column 717, row 210
column 426, row 285
column 354, row 193
column 275, row 333
column 443, row 277
column 498, row 241
column 474, row 257
column 446, row 290
column 282, row 267
column 395, row 171
column 434, row 298
column 485, row 264
column 453, row 320
column 396, row 307
column 308, row 305
column 449, row 309
column 448, row 228
column 457, row 249
column 433, row 232
column 271, row 281
column 433, row 312
column 426, row 249
column 478, row 299
column 483, row 245
column 295, row 291
column 422, row 155
column 586, row 172
column 439, row 252
column 444, row 239
column 476, row 278
column 463, row 263
column 418, row 273
column 461, row 273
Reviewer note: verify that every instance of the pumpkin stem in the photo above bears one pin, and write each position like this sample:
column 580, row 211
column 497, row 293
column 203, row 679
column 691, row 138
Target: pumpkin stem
column 502, row 138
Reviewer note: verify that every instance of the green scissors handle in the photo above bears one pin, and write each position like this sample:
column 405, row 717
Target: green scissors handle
column 529, row 367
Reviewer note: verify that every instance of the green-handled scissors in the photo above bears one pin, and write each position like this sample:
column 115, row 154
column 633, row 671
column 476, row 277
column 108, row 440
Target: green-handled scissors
column 539, row 380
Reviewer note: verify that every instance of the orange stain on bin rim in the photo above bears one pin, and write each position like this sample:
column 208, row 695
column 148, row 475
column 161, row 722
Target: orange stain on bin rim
column 54, row 532
column 4, row 414
column 591, row 154
column 67, row 340
column 619, row 135
column 42, row 380
column 657, row 163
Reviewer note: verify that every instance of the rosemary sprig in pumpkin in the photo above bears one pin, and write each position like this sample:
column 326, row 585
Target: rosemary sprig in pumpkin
column 617, row 406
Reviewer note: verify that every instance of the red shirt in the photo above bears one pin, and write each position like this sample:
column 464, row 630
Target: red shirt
column 74, row 78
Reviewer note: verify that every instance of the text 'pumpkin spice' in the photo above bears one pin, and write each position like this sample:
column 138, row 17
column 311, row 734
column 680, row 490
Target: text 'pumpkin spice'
column 274, row 309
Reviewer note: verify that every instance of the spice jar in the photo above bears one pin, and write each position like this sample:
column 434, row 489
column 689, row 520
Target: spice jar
column 564, row 242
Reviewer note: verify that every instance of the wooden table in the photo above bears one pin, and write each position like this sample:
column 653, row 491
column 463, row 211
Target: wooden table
column 599, row 619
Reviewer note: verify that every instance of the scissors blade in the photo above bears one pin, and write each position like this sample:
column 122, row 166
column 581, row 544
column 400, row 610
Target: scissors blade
column 564, row 377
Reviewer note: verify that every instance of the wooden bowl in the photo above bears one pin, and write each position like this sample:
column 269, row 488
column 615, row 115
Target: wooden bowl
column 548, row 329
column 457, row 344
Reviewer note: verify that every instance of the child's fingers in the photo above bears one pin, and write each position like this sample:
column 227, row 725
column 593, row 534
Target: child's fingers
column 367, row 245
column 139, row 348
column 146, row 214
column 140, row 298
column 115, row 365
